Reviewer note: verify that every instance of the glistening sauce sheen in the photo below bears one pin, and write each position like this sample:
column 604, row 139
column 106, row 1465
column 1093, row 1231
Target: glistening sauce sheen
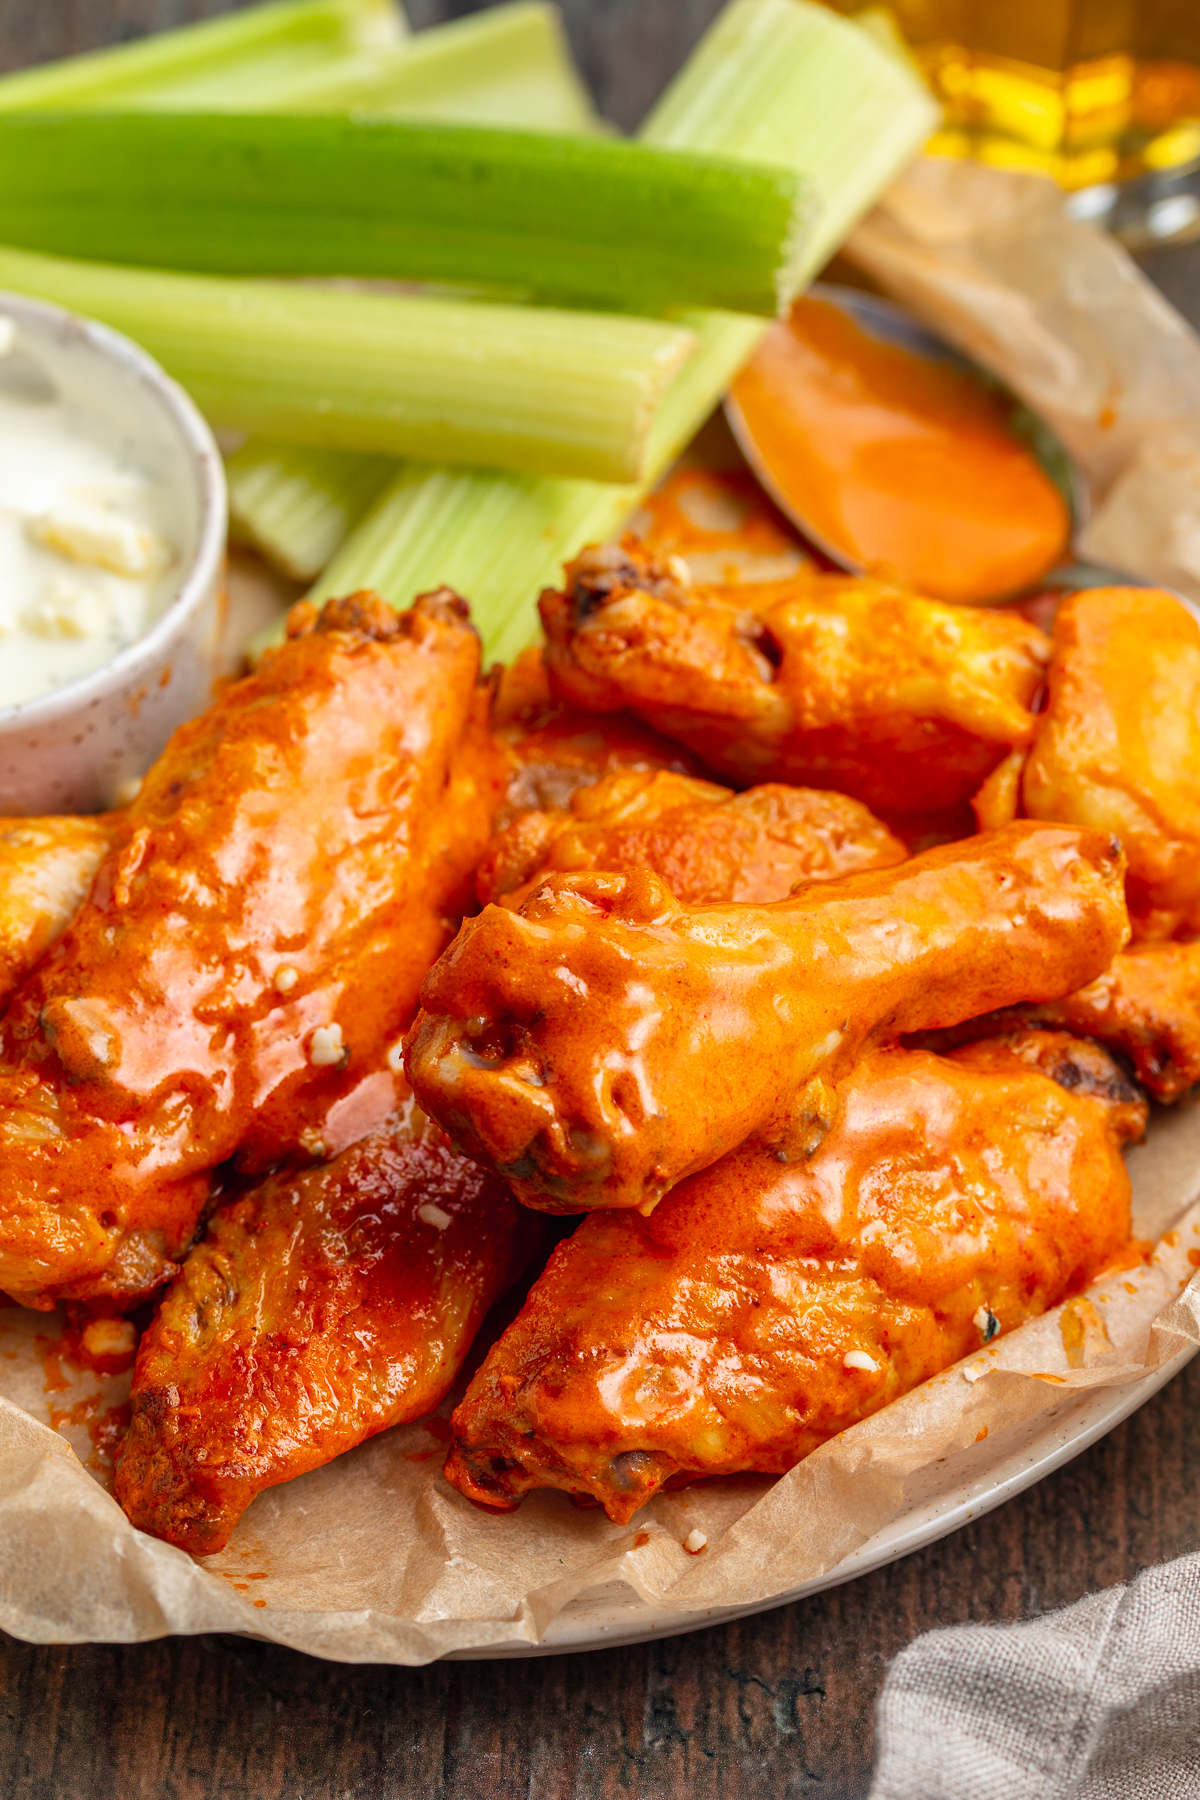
column 908, row 468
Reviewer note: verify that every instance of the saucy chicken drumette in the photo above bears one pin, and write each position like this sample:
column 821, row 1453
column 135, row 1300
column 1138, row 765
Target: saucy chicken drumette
column 605, row 1042
column 251, row 946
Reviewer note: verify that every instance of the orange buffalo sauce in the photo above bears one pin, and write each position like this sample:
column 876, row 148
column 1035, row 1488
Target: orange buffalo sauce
column 906, row 467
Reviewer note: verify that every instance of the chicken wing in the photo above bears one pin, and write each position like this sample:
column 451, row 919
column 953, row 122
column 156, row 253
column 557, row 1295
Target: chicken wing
column 319, row 1309
column 1145, row 1007
column 604, row 1042
column 765, row 1307
column 46, row 868
column 903, row 703
column 1118, row 747
column 251, row 947
column 554, row 748
column 706, row 842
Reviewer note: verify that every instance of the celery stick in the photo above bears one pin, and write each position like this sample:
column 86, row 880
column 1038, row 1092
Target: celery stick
column 500, row 539
column 507, row 66
column 784, row 81
column 277, row 43
column 297, row 505
column 768, row 90
column 582, row 220
column 510, row 65
column 448, row 380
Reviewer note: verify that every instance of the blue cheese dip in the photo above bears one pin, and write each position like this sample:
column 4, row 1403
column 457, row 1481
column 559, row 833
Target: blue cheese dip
column 86, row 566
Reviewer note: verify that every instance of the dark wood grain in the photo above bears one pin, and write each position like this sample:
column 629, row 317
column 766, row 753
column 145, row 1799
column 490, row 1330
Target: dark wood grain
column 777, row 1708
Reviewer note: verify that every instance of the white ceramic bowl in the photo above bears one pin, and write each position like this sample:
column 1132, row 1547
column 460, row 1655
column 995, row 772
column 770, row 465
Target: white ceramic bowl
column 74, row 749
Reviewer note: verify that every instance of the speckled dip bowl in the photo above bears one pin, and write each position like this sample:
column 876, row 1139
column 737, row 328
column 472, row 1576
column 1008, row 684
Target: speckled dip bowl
column 76, row 748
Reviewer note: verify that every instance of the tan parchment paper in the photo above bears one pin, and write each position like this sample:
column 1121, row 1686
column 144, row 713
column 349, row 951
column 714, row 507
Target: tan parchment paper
column 376, row 1559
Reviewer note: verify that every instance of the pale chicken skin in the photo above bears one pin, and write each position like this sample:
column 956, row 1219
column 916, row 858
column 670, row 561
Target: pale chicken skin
column 903, row 703
column 320, row 1308
column 1118, row 746
column 605, row 1041
column 706, row 842
column 46, row 868
column 251, row 947
column 764, row 1307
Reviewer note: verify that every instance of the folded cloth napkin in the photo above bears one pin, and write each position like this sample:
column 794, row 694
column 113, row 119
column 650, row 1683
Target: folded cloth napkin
column 1100, row 1701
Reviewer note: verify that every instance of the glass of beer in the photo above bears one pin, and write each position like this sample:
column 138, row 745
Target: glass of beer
column 1103, row 95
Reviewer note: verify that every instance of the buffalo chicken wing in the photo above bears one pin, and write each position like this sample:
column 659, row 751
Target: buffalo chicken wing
column 321, row 1308
column 903, row 703
column 705, row 842
column 553, row 749
column 1118, row 747
column 604, row 1042
column 251, row 948
column 1145, row 1008
column 46, row 868
column 766, row 1306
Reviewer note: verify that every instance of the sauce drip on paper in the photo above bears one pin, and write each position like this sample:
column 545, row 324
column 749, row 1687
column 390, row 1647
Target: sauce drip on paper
column 906, row 467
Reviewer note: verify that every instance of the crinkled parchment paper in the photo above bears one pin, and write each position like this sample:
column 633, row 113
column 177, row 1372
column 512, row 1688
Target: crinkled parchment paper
column 376, row 1559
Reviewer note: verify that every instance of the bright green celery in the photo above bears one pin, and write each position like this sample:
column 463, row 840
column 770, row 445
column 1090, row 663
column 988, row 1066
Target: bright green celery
column 509, row 65
column 586, row 221
column 245, row 56
column 784, row 81
column 506, row 537
column 297, row 504
column 448, row 380
column 771, row 81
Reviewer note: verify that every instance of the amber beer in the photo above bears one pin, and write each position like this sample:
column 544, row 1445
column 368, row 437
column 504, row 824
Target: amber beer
column 1089, row 91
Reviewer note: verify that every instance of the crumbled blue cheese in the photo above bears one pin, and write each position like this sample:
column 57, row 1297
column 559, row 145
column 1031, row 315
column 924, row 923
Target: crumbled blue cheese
column 100, row 537
column 859, row 1359
column 326, row 1047
column 85, row 564
column 64, row 609
column 986, row 1323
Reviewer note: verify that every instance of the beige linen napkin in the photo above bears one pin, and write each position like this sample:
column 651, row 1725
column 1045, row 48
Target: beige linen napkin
column 1100, row 1701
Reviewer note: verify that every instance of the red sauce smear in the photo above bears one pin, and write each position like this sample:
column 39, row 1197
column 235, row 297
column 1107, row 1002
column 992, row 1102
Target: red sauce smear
column 907, row 468
column 106, row 1426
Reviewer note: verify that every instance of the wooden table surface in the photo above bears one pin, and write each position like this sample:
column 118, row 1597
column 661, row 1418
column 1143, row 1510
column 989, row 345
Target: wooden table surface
column 777, row 1707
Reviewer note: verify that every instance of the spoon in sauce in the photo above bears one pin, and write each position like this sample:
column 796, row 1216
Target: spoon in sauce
column 897, row 457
